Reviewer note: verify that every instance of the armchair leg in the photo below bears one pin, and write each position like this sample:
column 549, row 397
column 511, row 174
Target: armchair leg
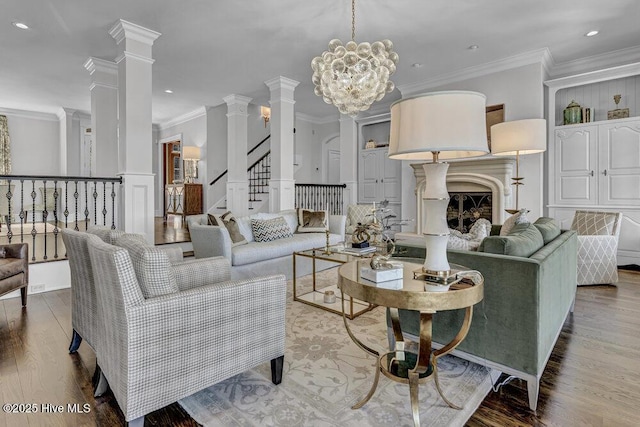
column 276, row 369
column 23, row 296
column 138, row 422
column 102, row 386
column 76, row 339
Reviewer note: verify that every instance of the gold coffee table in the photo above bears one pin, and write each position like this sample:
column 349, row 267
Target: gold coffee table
column 315, row 297
column 399, row 365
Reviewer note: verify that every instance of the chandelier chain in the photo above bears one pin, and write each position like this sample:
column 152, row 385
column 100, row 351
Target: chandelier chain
column 353, row 20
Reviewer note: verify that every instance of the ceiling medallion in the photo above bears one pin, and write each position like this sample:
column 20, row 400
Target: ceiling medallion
column 353, row 76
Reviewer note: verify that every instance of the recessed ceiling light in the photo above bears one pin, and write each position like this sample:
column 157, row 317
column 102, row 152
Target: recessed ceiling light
column 20, row 25
column 591, row 33
column 473, row 47
column 168, row 91
column 417, row 65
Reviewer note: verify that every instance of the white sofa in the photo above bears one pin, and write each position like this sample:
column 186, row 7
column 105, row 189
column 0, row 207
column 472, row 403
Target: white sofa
column 262, row 258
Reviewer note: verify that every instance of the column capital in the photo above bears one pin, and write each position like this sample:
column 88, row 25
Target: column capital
column 103, row 73
column 127, row 30
column 282, row 88
column 237, row 105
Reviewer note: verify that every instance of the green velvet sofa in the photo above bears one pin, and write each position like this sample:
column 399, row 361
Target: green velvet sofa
column 526, row 301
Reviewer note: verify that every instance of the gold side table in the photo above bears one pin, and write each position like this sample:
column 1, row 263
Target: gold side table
column 400, row 365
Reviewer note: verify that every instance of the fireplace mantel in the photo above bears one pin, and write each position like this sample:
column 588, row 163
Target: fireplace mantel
column 487, row 174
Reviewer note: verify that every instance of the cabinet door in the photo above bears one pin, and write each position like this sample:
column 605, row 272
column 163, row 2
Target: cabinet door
column 576, row 161
column 619, row 164
column 369, row 176
column 390, row 179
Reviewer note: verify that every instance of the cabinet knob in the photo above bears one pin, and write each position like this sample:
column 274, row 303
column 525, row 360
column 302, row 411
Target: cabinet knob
column 591, row 173
column 604, row 173
column 382, row 180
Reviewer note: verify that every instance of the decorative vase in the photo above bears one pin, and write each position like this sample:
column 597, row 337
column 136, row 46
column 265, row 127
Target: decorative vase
column 572, row 114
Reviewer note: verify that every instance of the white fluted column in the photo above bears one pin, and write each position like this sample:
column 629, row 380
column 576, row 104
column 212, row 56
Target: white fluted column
column 134, row 126
column 237, row 142
column 282, row 184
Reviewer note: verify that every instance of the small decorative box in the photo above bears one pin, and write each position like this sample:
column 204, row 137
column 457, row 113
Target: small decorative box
column 381, row 275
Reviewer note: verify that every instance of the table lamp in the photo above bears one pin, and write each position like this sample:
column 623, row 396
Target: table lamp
column 517, row 138
column 438, row 126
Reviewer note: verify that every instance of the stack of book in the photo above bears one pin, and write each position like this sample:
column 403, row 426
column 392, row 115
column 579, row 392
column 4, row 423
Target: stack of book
column 361, row 251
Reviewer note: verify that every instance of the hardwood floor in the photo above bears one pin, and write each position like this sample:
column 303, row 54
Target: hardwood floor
column 591, row 379
column 174, row 230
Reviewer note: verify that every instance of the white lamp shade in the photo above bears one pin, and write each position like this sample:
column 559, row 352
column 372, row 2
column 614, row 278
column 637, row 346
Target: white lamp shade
column 519, row 137
column 191, row 153
column 453, row 123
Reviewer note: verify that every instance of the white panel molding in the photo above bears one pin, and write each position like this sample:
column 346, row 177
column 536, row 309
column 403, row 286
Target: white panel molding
column 198, row 112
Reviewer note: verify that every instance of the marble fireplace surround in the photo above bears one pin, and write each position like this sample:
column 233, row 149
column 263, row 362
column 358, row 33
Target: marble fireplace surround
column 492, row 174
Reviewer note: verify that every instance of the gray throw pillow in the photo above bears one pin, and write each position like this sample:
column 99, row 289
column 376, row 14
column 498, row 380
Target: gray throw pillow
column 312, row 221
column 548, row 228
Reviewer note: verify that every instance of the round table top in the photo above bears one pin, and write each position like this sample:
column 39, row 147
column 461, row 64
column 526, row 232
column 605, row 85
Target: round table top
column 409, row 293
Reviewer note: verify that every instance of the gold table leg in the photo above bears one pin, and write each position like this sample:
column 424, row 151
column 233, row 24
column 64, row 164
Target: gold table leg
column 368, row 350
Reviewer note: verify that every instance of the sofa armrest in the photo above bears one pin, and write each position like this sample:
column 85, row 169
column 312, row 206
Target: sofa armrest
column 194, row 273
column 210, row 241
column 337, row 225
column 17, row 250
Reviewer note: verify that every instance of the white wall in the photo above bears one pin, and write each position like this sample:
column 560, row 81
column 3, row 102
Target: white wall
column 309, row 139
column 34, row 142
column 521, row 91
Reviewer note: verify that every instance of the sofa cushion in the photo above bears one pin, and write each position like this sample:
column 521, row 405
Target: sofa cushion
column 260, row 251
column 11, row 266
column 548, row 228
column 524, row 240
column 312, row 221
column 266, row 230
column 153, row 269
column 517, row 218
column 106, row 234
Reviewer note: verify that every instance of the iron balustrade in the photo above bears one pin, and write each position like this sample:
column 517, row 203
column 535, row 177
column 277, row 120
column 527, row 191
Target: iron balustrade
column 34, row 208
column 321, row 197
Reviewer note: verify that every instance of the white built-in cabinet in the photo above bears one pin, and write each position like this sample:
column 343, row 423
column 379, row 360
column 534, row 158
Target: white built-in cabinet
column 378, row 176
column 596, row 165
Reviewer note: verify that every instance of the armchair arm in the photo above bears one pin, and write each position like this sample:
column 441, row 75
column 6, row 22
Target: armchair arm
column 17, row 250
column 210, row 241
column 199, row 337
column 201, row 272
column 337, row 225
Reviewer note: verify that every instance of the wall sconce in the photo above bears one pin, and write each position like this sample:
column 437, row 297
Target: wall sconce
column 265, row 113
column 191, row 155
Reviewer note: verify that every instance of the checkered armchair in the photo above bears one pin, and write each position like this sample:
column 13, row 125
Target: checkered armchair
column 357, row 214
column 156, row 350
column 598, row 234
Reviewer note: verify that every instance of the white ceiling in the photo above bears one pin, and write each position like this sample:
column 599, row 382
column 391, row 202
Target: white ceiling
column 210, row 49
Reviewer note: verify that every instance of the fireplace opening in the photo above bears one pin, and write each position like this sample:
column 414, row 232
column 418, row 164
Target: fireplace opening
column 466, row 208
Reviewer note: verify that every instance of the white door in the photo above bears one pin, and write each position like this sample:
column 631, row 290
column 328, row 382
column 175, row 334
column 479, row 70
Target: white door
column 369, row 177
column 576, row 163
column 333, row 167
column 619, row 166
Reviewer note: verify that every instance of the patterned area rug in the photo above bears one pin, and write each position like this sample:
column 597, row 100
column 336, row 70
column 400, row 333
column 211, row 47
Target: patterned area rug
column 325, row 373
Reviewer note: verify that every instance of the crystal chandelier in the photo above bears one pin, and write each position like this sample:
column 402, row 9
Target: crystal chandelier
column 353, row 76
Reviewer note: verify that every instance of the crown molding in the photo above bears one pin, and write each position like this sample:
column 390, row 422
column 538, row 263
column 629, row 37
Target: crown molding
column 128, row 30
column 281, row 82
column 24, row 114
column 317, row 120
column 131, row 55
column 539, row 56
column 595, row 62
column 101, row 65
column 198, row 112
column 237, row 99
column 618, row 72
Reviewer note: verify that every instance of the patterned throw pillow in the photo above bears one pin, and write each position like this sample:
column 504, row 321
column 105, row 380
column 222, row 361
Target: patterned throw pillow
column 230, row 223
column 267, row 230
column 312, row 221
column 516, row 218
